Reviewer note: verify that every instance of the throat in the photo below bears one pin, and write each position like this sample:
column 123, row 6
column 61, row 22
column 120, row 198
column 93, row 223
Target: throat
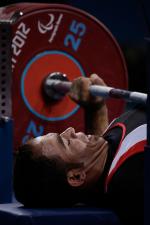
column 96, row 163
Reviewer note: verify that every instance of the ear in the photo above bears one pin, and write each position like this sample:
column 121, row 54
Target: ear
column 76, row 177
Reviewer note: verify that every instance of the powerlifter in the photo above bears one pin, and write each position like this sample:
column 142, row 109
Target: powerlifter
column 102, row 168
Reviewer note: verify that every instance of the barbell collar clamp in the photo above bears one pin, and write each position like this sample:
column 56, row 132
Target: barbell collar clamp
column 54, row 86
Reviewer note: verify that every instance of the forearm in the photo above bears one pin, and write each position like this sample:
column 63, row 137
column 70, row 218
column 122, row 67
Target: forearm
column 96, row 119
column 96, row 116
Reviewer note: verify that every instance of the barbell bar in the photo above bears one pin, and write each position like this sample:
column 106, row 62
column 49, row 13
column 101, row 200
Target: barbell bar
column 57, row 88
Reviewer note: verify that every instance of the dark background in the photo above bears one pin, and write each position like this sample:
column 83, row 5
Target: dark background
column 129, row 22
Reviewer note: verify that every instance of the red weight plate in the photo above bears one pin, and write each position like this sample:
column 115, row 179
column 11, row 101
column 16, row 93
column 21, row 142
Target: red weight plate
column 51, row 38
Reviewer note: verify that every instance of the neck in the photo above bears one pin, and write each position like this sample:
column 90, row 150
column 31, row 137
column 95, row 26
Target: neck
column 96, row 164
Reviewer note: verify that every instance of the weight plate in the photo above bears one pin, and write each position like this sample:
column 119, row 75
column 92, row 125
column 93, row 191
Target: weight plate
column 51, row 38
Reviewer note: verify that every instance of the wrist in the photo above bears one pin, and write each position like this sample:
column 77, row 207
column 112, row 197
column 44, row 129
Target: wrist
column 95, row 106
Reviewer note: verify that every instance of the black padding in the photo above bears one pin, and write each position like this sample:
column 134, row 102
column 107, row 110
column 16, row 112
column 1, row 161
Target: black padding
column 16, row 214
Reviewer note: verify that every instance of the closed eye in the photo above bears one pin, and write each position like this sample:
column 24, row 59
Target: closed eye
column 64, row 141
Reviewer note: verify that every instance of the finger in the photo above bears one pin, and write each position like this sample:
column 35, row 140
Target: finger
column 95, row 79
column 74, row 92
column 84, row 89
column 79, row 91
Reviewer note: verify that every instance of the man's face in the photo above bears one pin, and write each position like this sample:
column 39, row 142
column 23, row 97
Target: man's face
column 73, row 147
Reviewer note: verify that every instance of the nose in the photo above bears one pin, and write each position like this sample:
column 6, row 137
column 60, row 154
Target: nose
column 69, row 132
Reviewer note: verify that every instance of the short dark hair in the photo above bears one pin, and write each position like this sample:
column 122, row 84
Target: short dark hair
column 41, row 182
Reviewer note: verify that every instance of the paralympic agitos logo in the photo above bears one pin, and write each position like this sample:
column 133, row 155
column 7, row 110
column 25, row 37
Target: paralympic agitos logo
column 51, row 26
column 43, row 28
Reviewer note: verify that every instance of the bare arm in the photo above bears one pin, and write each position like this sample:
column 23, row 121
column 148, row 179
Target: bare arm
column 96, row 120
column 96, row 116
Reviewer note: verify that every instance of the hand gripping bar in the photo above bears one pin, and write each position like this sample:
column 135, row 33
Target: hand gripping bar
column 63, row 87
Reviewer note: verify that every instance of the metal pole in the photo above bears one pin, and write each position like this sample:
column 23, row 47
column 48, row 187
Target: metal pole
column 6, row 123
column 97, row 90
column 6, row 159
